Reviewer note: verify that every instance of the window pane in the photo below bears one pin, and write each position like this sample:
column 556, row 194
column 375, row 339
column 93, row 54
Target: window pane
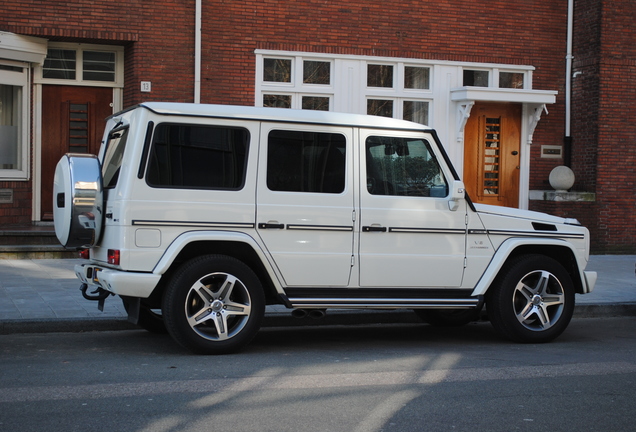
column 417, row 78
column 416, row 111
column 277, row 101
column 277, row 70
column 316, row 72
column 513, row 80
column 198, row 157
column 10, row 121
column 316, row 103
column 300, row 161
column 380, row 107
column 475, row 78
column 59, row 64
column 379, row 76
column 403, row 167
column 114, row 157
column 99, row 66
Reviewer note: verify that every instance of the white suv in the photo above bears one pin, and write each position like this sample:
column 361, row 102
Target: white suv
column 198, row 216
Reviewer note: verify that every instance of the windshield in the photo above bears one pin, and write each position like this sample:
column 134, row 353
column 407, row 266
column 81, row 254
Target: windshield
column 113, row 156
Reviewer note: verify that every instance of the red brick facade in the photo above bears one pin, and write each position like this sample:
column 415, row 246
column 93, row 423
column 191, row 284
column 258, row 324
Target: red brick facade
column 159, row 47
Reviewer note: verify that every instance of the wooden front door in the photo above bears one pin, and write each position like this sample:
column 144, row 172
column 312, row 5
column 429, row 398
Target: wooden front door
column 72, row 121
column 492, row 138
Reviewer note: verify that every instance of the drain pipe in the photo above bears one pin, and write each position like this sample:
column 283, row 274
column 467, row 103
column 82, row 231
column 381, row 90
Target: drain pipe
column 567, row 139
column 197, row 52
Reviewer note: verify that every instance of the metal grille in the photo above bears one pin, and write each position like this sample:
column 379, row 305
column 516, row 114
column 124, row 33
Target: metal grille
column 490, row 158
column 78, row 128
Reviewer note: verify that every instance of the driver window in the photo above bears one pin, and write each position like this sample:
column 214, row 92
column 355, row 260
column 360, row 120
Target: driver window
column 403, row 167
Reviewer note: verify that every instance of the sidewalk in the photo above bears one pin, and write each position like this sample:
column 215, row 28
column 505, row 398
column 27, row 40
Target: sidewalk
column 40, row 295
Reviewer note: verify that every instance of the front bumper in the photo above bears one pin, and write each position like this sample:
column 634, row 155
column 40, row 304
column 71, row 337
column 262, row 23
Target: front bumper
column 132, row 284
column 589, row 281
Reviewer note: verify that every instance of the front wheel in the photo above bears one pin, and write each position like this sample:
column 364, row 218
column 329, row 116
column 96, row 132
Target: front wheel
column 213, row 304
column 532, row 300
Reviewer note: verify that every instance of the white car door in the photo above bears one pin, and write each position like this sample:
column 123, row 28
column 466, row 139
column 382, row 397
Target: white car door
column 412, row 234
column 305, row 201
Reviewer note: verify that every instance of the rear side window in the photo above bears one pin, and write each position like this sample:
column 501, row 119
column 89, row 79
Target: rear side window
column 300, row 161
column 198, row 157
column 114, row 156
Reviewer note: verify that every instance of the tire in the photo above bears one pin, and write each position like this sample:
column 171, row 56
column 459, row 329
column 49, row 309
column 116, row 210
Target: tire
column 214, row 304
column 532, row 300
column 448, row 317
column 149, row 319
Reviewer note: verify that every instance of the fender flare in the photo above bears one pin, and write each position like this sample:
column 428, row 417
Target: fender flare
column 183, row 240
column 508, row 247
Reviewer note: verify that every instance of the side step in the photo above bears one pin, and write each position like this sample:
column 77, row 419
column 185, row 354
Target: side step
column 382, row 298
column 384, row 303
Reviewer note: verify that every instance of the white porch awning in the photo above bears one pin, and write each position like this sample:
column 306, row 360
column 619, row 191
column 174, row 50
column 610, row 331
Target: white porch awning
column 22, row 48
column 487, row 94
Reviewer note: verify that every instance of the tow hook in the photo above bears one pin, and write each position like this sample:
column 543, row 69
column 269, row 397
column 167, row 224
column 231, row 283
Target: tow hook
column 99, row 295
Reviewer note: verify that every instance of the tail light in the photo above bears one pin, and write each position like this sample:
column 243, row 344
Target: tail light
column 113, row 256
column 84, row 253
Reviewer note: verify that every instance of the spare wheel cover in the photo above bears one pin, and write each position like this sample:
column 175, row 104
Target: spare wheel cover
column 78, row 200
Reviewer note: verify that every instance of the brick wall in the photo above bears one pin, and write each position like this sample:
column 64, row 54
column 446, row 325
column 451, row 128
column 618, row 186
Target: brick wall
column 158, row 36
column 604, row 126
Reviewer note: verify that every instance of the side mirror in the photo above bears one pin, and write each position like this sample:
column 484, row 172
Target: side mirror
column 457, row 194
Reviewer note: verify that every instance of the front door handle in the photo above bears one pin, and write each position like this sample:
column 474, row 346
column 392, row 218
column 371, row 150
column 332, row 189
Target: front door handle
column 373, row 229
column 271, row 226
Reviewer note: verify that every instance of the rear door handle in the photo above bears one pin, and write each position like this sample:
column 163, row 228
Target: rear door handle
column 271, row 226
column 373, row 229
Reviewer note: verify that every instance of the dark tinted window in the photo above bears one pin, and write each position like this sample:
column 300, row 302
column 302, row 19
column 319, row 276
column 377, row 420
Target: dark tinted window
column 195, row 156
column 306, row 162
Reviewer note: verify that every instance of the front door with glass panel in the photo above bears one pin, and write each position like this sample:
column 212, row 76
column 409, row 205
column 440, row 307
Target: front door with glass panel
column 408, row 235
column 73, row 120
column 491, row 153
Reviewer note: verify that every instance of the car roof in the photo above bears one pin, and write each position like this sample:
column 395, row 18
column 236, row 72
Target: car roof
column 284, row 115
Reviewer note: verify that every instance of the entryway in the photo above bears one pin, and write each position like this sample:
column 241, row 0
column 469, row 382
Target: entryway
column 492, row 138
column 73, row 120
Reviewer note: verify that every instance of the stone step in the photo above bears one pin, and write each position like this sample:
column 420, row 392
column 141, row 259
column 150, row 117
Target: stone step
column 32, row 242
column 41, row 236
column 36, row 252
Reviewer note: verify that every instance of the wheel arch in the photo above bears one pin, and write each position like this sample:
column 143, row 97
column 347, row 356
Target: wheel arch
column 236, row 245
column 561, row 251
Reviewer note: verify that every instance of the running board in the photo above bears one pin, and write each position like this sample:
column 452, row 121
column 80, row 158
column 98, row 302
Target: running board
column 385, row 303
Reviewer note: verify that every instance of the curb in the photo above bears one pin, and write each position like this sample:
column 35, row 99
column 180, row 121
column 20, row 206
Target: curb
column 282, row 319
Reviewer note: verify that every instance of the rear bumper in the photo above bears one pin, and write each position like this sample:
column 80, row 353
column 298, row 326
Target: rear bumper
column 132, row 284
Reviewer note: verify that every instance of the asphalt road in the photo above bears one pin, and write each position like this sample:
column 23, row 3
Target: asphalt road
column 403, row 377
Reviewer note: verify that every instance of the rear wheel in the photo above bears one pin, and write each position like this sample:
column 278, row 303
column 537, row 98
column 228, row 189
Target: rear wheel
column 532, row 300
column 213, row 304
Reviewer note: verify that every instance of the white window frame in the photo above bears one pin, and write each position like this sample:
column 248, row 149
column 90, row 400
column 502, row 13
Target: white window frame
column 19, row 79
column 296, row 88
column 79, row 49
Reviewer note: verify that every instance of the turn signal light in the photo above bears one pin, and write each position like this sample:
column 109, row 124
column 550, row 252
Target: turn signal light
column 113, row 256
column 84, row 254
